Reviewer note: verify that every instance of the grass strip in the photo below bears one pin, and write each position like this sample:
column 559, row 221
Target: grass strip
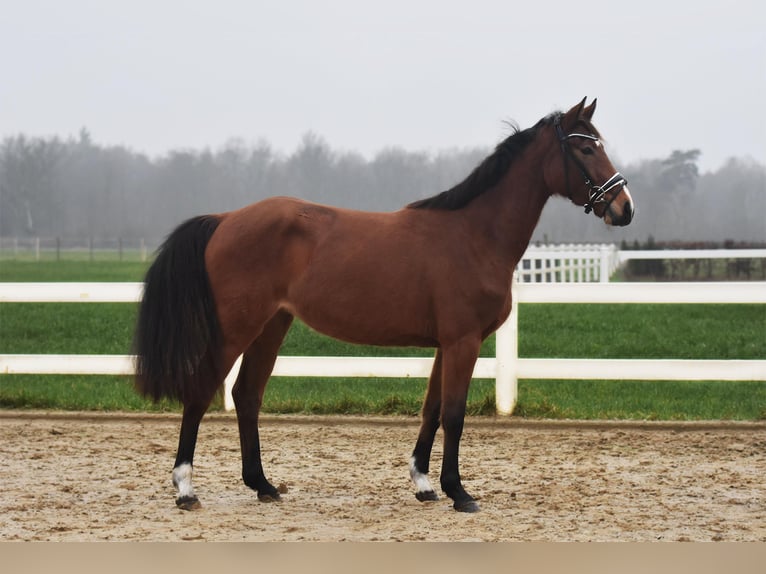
column 583, row 400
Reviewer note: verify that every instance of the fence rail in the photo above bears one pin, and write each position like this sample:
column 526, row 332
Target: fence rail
column 627, row 255
column 506, row 368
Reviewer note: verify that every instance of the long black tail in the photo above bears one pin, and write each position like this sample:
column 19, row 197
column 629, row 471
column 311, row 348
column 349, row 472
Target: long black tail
column 178, row 337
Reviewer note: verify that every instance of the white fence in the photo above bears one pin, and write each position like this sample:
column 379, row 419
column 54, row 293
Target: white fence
column 577, row 263
column 506, row 368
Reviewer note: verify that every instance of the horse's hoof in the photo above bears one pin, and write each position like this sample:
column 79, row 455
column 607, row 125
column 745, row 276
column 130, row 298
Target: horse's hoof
column 188, row 503
column 427, row 495
column 270, row 497
column 467, row 506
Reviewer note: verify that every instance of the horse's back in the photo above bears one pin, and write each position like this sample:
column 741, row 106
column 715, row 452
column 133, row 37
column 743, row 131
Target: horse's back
column 365, row 277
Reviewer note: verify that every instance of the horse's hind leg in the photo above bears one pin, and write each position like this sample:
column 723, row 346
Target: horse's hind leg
column 257, row 364
column 187, row 441
column 421, row 456
column 195, row 407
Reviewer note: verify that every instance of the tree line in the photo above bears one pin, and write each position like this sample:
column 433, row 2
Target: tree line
column 75, row 187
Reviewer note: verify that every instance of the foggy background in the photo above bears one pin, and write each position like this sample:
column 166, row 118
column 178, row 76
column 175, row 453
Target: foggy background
column 122, row 119
column 76, row 187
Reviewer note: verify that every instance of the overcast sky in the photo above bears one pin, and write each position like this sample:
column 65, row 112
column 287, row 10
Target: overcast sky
column 156, row 75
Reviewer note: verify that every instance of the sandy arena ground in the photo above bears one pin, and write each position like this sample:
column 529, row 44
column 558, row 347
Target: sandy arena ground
column 86, row 477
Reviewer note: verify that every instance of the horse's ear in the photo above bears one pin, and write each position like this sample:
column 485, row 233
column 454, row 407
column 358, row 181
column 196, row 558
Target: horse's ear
column 588, row 112
column 574, row 114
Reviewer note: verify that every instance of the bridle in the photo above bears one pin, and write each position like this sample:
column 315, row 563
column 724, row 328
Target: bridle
column 596, row 193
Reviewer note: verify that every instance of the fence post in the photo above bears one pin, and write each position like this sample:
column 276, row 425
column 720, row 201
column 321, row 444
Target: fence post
column 506, row 356
column 604, row 267
column 228, row 385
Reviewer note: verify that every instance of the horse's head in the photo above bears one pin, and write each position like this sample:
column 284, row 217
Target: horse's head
column 578, row 168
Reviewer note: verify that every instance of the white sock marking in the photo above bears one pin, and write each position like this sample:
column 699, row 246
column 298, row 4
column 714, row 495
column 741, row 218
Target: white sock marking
column 421, row 480
column 182, row 478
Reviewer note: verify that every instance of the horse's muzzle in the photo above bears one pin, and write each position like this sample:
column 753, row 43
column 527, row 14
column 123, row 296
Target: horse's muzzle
column 620, row 211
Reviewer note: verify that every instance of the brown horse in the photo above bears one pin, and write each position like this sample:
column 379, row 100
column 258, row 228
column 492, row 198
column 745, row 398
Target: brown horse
column 434, row 274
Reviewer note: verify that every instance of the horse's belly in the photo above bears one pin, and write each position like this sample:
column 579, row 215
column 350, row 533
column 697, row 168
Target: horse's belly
column 367, row 325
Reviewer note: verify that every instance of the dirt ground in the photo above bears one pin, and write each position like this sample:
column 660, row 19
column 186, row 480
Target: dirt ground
column 85, row 477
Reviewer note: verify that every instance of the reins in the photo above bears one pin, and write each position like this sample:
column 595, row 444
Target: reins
column 596, row 192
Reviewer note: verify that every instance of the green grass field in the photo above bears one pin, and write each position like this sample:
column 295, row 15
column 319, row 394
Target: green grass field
column 42, row 271
column 576, row 331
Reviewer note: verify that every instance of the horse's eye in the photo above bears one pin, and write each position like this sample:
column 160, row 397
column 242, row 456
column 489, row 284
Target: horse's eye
column 587, row 151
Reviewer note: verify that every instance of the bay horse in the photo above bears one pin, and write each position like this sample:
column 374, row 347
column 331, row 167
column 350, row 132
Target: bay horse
column 436, row 273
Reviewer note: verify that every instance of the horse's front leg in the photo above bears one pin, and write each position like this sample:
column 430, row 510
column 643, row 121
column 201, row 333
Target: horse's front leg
column 421, row 456
column 457, row 369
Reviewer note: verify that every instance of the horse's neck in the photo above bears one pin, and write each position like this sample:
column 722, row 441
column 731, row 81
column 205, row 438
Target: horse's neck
column 508, row 213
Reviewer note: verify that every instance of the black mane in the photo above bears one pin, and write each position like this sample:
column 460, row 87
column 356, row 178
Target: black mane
column 488, row 173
